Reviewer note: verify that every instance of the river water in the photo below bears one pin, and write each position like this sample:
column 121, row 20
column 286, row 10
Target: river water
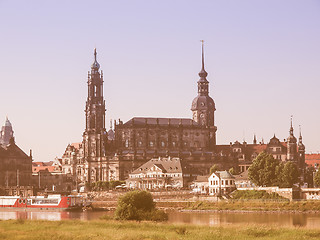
column 306, row 220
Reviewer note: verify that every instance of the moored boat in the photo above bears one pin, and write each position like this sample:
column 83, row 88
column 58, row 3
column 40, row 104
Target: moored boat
column 50, row 202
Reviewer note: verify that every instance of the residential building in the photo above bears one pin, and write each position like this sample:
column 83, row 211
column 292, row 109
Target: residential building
column 242, row 180
column 221, row 182
column 201, row 185
column 160, row 173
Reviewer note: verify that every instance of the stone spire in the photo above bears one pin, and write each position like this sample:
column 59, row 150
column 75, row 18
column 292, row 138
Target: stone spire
column 291, row 138
column 301, row 156
column 291, row 127
column 254, row 139
column 203, row 84
column 291, row 144
column 300, row 145
column 202, row 74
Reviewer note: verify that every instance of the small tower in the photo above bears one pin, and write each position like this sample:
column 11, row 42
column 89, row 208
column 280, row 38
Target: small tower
column 291, row 145
column 203, row 106
column 6, row 133
column 301, row 153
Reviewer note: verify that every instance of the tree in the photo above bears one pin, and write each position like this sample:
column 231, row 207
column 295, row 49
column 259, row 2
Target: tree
column 214, row 168
column 289, row 174
column 309, row 176
column 138, row 205
column 263, row 170
column 233, row 171
column 316, row 178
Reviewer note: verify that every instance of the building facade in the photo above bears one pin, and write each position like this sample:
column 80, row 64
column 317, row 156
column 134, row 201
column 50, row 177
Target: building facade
column 15, row 165
column 221, row 182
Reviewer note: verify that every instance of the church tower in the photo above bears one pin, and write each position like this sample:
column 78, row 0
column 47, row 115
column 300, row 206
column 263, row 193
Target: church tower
column 94, row 136
column 6, row 133
column 203, row 106
column 301, row 153
column 291, row 145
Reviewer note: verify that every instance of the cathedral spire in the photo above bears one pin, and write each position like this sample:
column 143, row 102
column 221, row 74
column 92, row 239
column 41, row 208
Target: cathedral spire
column 203, row 74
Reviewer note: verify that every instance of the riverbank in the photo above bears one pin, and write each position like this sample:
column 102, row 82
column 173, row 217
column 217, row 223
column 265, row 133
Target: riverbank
column 227, row 205
column 256, row 205
column 105, row 229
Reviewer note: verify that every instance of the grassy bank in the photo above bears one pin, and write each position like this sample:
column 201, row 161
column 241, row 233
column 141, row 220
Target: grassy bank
column 237, row 205
column 20, row 229
column 256, row 205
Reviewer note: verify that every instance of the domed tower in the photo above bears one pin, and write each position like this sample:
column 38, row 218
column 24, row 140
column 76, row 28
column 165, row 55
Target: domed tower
column 6, row 133
column 291, row 145
column 94, row 136
column 203, row 106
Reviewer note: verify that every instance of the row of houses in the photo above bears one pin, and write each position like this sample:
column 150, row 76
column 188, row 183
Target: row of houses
column 172, row 173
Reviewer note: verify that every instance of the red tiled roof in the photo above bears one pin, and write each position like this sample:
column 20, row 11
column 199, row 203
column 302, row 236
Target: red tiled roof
column 76, row 145
column 312, row 159
column 41, row 168
column 314, row 156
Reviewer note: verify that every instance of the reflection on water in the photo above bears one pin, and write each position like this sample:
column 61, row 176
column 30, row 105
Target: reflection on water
column 51, row 216
column 306, row 220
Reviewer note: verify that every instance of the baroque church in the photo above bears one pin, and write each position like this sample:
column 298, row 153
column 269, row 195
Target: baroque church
column 15, row 165
column 112, row 155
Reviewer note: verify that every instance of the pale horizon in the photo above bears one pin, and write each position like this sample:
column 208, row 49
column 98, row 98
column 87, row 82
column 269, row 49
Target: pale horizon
column 262, row 60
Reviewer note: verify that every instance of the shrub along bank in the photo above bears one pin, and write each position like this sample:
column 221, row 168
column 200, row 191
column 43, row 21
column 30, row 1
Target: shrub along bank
column 138, row 205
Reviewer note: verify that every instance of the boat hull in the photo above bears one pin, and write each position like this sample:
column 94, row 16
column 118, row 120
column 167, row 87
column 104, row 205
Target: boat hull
column 54, row 202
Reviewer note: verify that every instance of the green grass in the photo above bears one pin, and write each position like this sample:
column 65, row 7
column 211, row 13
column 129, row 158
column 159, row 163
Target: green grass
column 256, row 205
column 254, row 194
column 97, row 230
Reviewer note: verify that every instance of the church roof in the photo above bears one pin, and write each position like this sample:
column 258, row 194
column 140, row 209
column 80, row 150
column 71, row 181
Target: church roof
column 161, row 121
column 12, row 150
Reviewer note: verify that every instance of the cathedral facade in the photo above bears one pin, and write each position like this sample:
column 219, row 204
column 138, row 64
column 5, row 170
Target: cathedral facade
column 113, row 155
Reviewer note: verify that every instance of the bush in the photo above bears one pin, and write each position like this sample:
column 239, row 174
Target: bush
column 254, row 194
column 138, row 205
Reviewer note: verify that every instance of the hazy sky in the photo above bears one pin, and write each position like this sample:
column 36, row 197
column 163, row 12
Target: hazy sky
column 262, row 57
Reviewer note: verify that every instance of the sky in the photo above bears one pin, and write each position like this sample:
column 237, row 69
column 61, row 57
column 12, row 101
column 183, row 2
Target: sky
column 262, row 59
